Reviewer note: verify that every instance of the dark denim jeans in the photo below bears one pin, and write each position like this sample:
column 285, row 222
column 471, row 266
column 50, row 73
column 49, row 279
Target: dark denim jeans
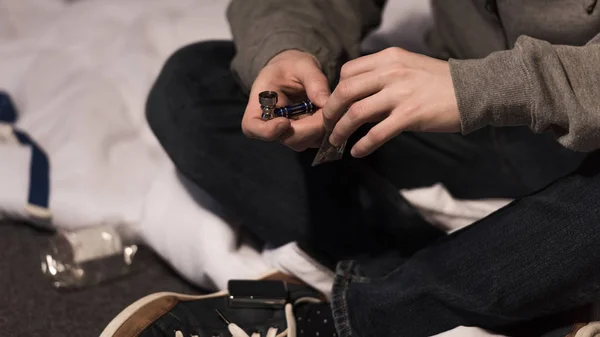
column 533, row 258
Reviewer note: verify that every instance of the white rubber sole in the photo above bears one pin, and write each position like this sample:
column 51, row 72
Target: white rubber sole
column 124, row 315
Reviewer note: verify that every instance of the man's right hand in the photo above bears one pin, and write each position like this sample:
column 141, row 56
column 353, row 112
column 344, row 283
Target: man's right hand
column 294, row 75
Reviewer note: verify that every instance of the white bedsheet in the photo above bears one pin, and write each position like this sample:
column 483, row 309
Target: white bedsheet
column 79, row 73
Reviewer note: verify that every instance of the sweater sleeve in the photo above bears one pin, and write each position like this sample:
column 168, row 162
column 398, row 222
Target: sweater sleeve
column 330, row 30
column 546, row 87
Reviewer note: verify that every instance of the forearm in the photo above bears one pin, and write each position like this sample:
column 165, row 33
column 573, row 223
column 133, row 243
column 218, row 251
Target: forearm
column 331, row 30
column 544, row 86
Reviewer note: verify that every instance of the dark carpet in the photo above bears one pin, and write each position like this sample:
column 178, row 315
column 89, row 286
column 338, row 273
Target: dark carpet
column 30, row 306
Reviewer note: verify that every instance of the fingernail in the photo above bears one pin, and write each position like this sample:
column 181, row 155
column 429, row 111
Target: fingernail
column 354, row 152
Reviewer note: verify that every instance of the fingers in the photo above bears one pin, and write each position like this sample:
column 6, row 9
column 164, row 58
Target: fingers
column 370, row 62
column 346, row 93
column 307, row 131
column 254, row 126
column 304, row 133
column 371, row 109
column 290, row 74
column 377, row 136
column 359, row 66
column 315, row 84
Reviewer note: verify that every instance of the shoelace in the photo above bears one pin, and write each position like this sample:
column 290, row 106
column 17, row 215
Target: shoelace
column 236, row 331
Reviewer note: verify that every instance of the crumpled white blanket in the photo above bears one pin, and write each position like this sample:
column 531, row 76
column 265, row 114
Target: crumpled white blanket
column 79, row 73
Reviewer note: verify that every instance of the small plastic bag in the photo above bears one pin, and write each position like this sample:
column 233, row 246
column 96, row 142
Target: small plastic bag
column 328, row 152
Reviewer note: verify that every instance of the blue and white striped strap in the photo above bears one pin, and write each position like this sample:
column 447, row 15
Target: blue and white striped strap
column 38, row 203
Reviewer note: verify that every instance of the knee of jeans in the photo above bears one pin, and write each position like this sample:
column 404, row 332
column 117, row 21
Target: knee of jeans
column 205, row 56
column 197, row 72
column 192, row 79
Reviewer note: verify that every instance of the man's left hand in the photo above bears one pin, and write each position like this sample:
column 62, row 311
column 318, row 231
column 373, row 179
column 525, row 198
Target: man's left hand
column 398, row 90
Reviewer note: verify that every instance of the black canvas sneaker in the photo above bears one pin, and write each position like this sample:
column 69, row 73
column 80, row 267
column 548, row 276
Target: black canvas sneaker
column 275, row 306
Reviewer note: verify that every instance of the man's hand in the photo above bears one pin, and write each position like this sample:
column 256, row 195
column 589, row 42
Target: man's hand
column 399, row 90
column 293, row 75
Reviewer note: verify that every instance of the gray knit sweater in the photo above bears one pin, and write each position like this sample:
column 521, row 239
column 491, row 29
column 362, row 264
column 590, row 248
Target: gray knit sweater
column 513, row 62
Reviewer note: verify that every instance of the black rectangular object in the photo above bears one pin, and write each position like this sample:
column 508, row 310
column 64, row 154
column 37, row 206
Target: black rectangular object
column 257, row 294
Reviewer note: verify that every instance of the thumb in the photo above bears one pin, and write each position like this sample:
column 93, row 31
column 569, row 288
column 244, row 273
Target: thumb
column 273, row 129
column 316, row 86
